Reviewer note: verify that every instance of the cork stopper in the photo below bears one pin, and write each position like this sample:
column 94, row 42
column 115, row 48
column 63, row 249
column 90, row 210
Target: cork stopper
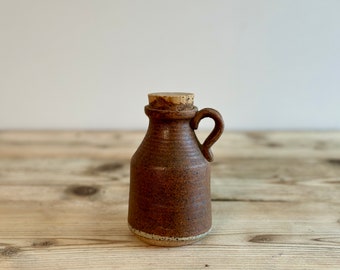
column 174, row 101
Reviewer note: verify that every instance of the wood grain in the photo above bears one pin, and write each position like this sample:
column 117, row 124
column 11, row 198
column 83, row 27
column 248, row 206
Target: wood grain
column 63, row 203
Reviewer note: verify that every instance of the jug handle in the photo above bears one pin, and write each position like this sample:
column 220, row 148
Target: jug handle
column 214, row 135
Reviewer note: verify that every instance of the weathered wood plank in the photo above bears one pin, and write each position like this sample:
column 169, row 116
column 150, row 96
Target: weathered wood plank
column 63, row 203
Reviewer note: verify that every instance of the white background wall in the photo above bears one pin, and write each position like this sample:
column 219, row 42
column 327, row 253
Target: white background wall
column 264, row 64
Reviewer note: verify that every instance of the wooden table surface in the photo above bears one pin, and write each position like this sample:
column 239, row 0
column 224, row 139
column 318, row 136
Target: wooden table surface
column 64, row 195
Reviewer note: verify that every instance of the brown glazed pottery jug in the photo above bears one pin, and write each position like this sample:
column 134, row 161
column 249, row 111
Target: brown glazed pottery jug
column 169, row 201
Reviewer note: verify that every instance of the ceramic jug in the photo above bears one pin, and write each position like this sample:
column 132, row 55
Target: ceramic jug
column 169, row 200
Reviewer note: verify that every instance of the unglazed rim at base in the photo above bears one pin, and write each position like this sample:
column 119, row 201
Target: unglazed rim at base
column 168, row 238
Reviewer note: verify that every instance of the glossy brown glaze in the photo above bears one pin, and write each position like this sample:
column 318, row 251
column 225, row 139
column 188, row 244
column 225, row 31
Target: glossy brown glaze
column 169, row 202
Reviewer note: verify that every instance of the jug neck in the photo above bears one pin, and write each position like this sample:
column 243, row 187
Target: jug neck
column 170, row 110
column 170, row 133
column 169, row 115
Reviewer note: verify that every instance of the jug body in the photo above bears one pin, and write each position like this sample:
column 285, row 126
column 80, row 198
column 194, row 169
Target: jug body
column 169, row 201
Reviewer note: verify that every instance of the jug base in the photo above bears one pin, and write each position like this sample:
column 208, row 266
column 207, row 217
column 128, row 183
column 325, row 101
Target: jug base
column 166, row 241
